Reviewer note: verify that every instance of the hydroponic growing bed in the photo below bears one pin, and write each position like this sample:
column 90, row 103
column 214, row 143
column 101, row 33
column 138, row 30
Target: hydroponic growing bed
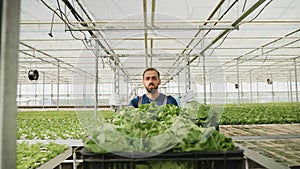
column 279, row 142
column 63, row 126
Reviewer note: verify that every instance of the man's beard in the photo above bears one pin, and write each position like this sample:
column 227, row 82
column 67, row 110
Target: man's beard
column 152, row 90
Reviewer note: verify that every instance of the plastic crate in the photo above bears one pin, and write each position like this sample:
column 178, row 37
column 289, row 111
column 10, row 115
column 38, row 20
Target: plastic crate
column 194, row 160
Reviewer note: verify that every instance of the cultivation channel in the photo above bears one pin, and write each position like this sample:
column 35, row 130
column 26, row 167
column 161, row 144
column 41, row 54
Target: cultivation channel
column 41, row 134
column 264, row 147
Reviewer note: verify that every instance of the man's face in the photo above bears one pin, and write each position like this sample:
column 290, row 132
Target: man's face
column 151, row 80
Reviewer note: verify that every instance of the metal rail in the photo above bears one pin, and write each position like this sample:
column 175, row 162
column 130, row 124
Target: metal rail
column 261, row 160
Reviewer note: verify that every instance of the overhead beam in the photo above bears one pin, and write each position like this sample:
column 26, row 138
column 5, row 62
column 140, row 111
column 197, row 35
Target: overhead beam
column 79, row 18
column 145, row 31
column 160, row 38
column 170, row 48
column 234, row 24
column 266, row 52
column 209, row 17
column 149, row 27
column 130, row 22
column 49, row 56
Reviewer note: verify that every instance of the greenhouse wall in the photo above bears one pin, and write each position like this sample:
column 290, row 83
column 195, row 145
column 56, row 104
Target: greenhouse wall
column 48, row 95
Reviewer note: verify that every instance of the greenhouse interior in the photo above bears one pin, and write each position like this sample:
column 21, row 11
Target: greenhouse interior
column 70, row 70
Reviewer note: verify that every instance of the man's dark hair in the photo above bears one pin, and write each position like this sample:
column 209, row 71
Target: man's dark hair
column 150, row 69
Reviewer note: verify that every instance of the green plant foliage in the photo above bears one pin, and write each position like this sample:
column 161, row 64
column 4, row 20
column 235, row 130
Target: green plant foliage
column 52, row 125
column 48, row 126
column 142, row 125
column 261, row 113
column 34, row 155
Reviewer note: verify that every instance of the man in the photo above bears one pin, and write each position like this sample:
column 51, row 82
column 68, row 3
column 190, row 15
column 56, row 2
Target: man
column 151, row 81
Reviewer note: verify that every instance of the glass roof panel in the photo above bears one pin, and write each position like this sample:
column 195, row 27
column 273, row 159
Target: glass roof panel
column 154, row 33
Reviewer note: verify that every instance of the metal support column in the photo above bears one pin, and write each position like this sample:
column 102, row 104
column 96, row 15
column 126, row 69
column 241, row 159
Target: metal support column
column 210, row 92
column 9, row 38
column 20, row 93
column 226, row 89
column 51, row 93
column 43, row 97
column 291, row 87
column 116, row 83
column 97, row 55
column 241, row 92
column 204, row 79
column 251, row 97
column 127, row 91
column 296, row 81
column 257, row 94
column 238, row 81
column 273, row 99
column 288, row 91
column 96, row 86
column 178, row 87
column 187, row 74
column 116, row 78
column 84, row 91
column 68, row 93
column 35, row 95
column 57, row 94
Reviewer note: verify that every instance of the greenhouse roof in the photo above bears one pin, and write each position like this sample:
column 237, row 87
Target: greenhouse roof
column 244, row 41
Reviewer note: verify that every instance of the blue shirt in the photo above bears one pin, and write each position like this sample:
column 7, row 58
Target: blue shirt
column 159, row 100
